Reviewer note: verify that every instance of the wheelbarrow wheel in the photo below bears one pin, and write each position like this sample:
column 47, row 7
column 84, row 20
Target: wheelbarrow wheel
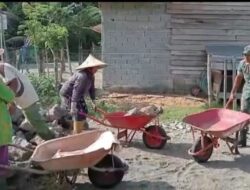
column 100, row 176
column 195, row 91
column 205, row 155
column 154, row 142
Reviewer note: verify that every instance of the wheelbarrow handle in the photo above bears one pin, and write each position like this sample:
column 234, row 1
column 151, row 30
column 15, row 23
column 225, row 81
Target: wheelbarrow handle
column 96, row 110
column 22, row 169
column 228, row 104
column 100, row 111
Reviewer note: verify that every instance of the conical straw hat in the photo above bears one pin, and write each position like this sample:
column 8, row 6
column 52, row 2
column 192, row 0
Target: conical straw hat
column 91, row 61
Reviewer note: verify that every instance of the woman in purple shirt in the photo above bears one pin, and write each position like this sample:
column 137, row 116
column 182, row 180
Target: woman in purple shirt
column 76, row 87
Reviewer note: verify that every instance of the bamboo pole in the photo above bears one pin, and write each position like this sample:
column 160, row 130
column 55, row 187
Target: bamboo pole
column 68, row 56
column 209, row 93
column 234, row 75
column 1, row 39
column 225, row 84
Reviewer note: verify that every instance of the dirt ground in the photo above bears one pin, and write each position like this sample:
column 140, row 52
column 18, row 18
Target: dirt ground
column 160, row 100
column 172, row 168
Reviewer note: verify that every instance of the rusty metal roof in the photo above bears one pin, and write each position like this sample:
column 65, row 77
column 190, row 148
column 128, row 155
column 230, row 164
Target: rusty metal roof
column 97, row 28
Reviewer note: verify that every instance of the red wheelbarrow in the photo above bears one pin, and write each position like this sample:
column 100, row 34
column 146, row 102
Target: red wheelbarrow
column 154, row 136
column 215, row 124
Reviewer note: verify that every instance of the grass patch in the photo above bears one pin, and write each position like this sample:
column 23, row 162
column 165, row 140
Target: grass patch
column 178, row 113
column 105, row 106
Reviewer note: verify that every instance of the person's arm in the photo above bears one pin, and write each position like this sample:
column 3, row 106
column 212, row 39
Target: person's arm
column 237, row 83
column 10, row 77
column 13, row 85
column 6, row 94
column 79, row 87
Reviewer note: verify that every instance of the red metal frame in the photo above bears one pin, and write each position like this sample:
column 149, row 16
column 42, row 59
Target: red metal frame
column 214, row 143
column 124, row 131
column 214, row 133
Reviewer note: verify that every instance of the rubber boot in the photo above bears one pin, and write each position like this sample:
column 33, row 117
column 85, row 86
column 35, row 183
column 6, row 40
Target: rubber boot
column 78, row 127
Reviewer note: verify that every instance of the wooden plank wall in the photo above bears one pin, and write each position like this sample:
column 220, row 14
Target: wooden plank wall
column 195, row 24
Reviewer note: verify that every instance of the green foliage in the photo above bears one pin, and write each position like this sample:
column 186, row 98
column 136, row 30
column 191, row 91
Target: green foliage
column 55, row 36
column 178, row 113
column 3, row 6
column 36, row 32
column 105, row 106
column 39, row 26
column 45, row 88
column 26, row 19
column 83, row 17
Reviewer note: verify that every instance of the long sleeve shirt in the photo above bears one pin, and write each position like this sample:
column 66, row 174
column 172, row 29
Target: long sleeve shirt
column 80, row 84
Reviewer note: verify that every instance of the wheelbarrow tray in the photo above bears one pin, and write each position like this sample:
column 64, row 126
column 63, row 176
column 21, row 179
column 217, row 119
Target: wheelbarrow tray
column 219, row 122
column 43, row 154
column 132, row 122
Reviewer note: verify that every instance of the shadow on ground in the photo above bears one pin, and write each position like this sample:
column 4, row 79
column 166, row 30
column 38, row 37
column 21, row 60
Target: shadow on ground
column 130, row 185
column 178, row 150
column 240, row 162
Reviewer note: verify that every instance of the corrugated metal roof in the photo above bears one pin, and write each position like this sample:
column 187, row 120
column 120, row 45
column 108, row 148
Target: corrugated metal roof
column 225, row 50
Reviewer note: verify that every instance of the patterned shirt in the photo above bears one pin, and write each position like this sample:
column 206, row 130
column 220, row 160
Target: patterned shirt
column 244, row 69
column 80, row 84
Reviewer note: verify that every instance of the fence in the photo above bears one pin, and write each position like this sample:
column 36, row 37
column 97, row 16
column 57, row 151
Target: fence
column 26, row 59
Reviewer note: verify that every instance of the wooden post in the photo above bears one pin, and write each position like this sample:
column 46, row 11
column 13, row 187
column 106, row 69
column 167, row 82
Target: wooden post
column 209, row 93
column 2, row 32
column 68, row 56
column 234, row 75
column 46, row 60
column 225, row 84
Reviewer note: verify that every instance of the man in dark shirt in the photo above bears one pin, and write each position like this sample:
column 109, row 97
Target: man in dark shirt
column 78, row 85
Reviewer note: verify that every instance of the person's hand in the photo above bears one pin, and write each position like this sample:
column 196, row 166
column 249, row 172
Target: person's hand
column 94, row 105
column 232, row 97
column 73, row 108
column 230, row 100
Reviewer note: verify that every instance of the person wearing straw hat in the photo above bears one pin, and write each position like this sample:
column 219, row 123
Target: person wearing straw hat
column 26, row 98
column 243, row 72
column 76, row 87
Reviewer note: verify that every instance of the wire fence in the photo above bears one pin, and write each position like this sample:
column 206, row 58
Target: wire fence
column 27, row 60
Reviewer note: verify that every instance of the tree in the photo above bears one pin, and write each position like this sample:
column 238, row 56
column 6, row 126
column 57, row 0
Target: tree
column 85, row 15
column 55, row 36
column 49, row 26
column 41, row 28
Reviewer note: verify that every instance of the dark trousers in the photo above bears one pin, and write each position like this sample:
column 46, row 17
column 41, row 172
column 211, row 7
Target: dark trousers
column 81, row 108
